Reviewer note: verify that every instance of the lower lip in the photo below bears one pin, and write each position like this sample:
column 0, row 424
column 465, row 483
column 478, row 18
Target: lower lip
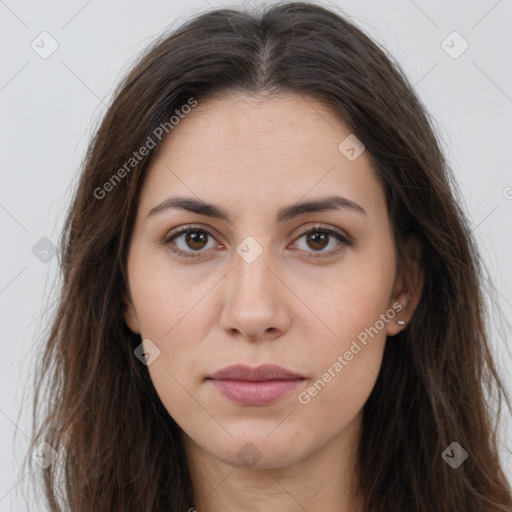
column 255, row 393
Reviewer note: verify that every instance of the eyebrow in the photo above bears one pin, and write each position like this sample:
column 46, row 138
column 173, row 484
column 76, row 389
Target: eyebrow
column 286, row 213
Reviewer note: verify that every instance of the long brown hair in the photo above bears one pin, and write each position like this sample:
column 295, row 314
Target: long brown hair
column 119, row 449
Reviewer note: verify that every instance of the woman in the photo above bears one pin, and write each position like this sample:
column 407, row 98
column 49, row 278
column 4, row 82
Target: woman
column 271, row 299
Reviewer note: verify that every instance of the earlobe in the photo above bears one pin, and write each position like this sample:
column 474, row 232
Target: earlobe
column 130, row 315
column 408, row 290
column 400, row 305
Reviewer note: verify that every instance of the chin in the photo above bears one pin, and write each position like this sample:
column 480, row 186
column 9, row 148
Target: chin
column 257, row 449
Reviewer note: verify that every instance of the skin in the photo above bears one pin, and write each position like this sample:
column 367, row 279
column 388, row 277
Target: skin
column 252, row 155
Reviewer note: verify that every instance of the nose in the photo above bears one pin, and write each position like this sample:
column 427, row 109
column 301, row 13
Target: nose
column 256, row 301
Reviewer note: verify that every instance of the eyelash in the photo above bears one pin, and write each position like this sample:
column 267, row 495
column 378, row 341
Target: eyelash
column 345, row 241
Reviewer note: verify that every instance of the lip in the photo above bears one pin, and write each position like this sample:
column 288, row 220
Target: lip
column 255, row 386
column 258, row 374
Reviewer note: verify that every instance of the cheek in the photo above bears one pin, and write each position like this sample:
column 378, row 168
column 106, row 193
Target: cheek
column 345, row 363
column 173, row 312
column 164, row 295
column 351, row 297
column 352, row 314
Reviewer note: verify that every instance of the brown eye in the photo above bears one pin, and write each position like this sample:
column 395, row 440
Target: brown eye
column 190, row 241
column 317, row 240
column 196, row 239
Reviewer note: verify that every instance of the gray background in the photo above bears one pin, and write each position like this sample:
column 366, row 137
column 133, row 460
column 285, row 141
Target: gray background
column 50, row 106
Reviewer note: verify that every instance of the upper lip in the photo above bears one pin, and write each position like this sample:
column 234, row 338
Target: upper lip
column 260, row 373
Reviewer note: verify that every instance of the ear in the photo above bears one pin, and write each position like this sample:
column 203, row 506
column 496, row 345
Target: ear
column 129, row 314
column 408, row 288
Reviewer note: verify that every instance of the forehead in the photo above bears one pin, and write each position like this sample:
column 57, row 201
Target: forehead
column 289, row 125
column 260, row 147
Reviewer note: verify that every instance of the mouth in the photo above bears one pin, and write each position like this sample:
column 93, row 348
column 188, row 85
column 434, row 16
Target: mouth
column 255, row 386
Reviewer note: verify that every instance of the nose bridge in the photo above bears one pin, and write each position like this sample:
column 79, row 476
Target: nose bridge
column 252, row 275
column 253, row 303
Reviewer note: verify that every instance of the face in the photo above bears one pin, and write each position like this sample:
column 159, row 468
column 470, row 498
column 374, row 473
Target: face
column 313, row 290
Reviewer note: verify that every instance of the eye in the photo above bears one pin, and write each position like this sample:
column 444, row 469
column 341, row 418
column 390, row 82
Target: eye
column 189, row 241
column 192, row 237
column 321, row 237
